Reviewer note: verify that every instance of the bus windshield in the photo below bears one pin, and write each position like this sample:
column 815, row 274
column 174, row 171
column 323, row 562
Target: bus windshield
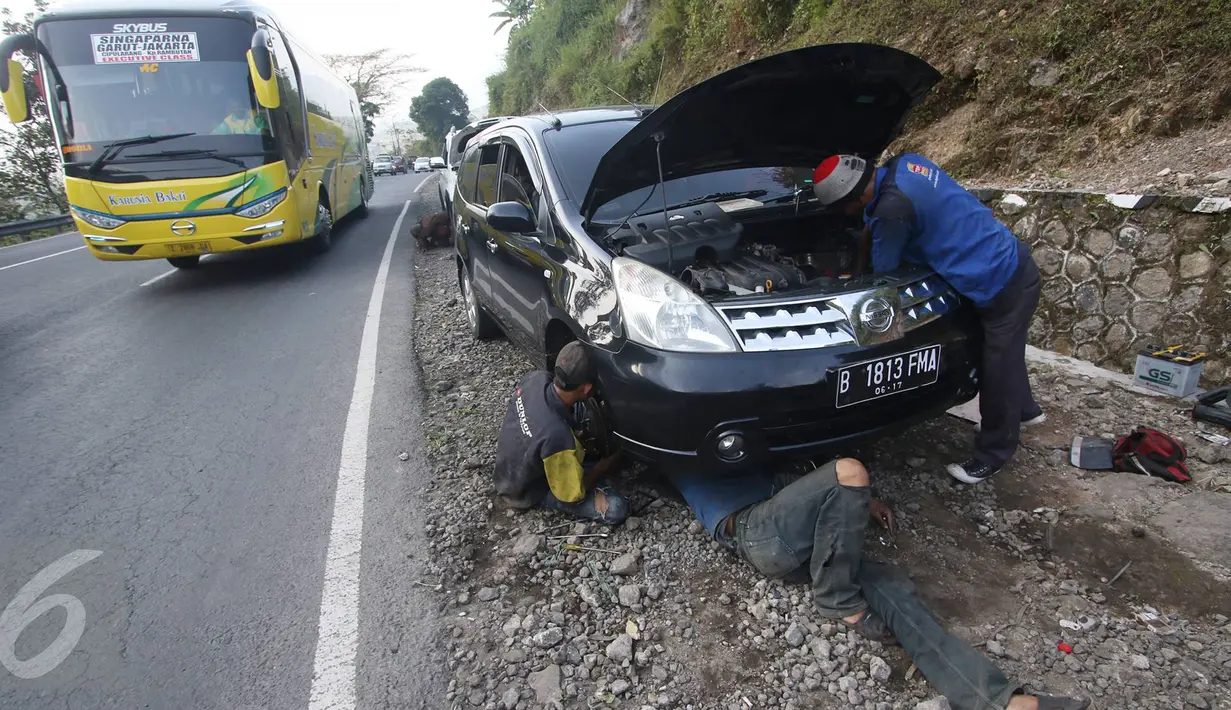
column 156, row 77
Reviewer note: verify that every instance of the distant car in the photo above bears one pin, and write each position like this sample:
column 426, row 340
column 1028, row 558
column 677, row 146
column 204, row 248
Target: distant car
column 399, row 164
column 437, row 163
column 383, row 165
column 423, row 165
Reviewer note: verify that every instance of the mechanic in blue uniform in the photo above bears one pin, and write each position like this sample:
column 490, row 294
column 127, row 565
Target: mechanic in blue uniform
column 915, row 213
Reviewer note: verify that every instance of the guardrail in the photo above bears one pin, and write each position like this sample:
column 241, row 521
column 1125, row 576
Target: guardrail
column 34, row 225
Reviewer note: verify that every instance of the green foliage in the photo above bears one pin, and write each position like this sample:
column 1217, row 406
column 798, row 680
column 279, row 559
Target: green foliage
column 1168, row 58
column 514, row 12
column 441, row 106
column 30, row 181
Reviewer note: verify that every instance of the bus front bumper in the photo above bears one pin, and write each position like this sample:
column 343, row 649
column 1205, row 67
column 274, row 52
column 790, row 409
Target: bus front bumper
column 155, row 239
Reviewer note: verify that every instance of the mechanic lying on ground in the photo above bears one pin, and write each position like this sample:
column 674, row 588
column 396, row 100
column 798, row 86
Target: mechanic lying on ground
column 915, row 213
column 812, row 527
column 539, row 460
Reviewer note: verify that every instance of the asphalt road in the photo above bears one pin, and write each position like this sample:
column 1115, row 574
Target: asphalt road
column 188, row 427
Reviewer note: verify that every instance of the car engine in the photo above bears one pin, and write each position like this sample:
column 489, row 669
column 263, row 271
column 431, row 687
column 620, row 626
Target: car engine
column 725, row 257
column 763, row 268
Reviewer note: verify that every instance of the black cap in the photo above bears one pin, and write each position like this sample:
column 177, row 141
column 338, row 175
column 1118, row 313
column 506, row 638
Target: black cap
column 573, row 366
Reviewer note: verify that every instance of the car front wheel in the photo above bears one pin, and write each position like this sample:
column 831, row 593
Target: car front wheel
column 482, row 327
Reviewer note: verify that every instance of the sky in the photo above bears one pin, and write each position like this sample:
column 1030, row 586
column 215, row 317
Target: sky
column 450, row 38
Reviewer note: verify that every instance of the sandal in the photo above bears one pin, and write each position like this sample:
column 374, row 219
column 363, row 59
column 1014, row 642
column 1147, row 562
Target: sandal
column 1059, row 702
column 874, row 628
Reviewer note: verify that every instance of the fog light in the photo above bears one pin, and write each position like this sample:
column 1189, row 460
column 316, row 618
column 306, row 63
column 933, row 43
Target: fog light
column 731, row 447
column 271, row 235
column 106, row 249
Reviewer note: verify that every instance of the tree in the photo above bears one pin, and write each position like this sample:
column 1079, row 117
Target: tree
column 30, row 177
column 374, row 77
column 515, row 12
column 441, row 106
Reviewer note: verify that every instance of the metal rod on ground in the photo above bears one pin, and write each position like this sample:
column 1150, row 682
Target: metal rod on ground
column 1120, row 573
column 579, row 548
column 553, row 527
column 565, row 537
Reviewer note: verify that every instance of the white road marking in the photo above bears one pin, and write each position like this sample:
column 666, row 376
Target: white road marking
column 158, row 278
column 42, row 240
column 425, row 181
column 31, row 261
column 165, row 274
column 337, row 639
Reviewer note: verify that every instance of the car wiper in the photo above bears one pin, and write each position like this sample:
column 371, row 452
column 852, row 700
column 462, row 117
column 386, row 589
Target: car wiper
column 192, row 153
column 715, row 196
column 114, row 149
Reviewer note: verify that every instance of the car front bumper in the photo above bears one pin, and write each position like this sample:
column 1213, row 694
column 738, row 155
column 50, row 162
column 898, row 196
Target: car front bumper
column 673, row 408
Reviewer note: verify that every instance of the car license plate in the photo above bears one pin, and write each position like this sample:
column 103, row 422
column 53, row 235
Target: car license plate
column 189, row 248
column 887, row 376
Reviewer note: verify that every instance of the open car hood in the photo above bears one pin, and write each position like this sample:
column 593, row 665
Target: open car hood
column 789, row 109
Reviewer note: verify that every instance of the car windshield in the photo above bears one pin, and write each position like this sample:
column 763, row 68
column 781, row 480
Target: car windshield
column 576, row 150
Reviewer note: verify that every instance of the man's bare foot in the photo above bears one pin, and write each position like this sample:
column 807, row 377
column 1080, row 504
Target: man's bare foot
column 857, row 617
column 870, row 626
column 1023, row 702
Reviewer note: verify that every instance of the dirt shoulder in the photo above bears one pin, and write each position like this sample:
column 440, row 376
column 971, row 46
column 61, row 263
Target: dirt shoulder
column 662, row 618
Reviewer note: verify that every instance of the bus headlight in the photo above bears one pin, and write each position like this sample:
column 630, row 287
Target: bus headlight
column 95, row 219
column 263, row 206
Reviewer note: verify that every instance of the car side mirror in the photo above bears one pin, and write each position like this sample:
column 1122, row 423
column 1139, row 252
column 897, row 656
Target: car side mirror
column 513, row 217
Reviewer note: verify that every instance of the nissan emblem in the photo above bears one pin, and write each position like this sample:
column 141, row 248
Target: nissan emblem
column 876, row 314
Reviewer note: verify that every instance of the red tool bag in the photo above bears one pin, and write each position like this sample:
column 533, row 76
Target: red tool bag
column 1152, row 453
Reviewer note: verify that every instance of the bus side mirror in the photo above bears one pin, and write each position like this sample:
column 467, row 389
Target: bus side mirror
column 261, row 67
column 12, row 79
column 15, row 104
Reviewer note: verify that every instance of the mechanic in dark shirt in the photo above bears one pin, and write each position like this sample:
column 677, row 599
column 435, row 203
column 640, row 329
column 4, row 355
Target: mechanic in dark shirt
column 916, row 213
column 540, row 460
column 812, row 527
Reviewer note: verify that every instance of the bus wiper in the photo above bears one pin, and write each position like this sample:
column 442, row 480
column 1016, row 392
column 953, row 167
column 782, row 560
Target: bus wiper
column 114, row 149
column 715, row 196
column 191, row 153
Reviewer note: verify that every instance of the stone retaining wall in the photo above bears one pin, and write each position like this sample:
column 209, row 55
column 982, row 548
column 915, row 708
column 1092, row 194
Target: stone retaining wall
column 1123, row 271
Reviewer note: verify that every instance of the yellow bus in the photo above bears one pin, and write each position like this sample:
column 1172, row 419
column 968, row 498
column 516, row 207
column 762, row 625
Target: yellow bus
column 191, row 128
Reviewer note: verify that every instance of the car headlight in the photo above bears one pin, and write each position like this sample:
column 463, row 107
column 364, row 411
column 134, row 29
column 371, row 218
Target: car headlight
column 95, row 219
column 263, row 206
column 663, row 313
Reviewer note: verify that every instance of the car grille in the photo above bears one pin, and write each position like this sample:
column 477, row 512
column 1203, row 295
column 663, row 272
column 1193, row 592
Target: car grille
column 825, row 321
column 924, row 301
column 788, row 325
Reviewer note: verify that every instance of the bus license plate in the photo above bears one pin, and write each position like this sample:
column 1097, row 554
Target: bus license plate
column 887, row 376
column 189, row 248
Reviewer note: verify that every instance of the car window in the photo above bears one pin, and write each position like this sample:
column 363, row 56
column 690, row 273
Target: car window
column 467, row 174
column 515, row 182
column 489, row 171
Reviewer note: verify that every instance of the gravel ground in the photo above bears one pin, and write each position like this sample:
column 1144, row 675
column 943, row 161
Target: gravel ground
column 655, row 615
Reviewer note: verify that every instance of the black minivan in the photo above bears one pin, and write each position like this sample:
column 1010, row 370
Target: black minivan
column 683, row 244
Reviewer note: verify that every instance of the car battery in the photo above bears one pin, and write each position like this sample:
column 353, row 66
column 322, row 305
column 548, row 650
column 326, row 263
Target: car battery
column 1173, row 370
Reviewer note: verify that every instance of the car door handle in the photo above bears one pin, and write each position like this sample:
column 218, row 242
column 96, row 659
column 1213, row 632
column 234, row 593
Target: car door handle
column 491, row 246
